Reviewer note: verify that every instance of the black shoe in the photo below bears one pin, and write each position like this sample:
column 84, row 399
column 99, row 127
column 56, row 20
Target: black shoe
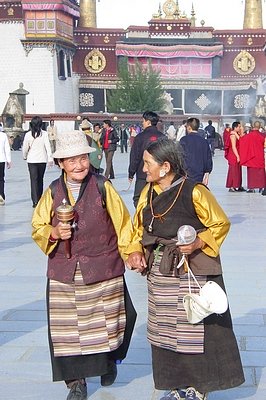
column 78, row 391
column 232, row 190
column 263, row 192
column 109, row 378
column 241, row 189
column 34, row 205
column 251, row 191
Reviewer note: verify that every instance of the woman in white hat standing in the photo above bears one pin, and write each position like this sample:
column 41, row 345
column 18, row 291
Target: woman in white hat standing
column 90, row 314
column 190, row 356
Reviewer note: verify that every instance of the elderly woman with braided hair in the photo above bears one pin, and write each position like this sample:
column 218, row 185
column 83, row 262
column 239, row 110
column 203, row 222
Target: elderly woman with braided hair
column 188, row 360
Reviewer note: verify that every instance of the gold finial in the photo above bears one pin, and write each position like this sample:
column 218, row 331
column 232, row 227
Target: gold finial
column 253, row 14
column 88, row 17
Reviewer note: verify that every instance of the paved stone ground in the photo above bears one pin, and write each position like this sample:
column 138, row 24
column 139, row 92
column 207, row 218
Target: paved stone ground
column 24, row 358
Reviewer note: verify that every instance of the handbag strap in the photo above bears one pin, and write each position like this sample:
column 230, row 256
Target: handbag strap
column 184, row 261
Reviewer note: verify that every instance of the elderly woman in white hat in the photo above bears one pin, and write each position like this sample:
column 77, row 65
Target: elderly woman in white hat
column 90, row 314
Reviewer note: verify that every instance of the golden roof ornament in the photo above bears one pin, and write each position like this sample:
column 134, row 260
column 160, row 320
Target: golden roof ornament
column 253, row 14
column 169, row 8
column 88, row 16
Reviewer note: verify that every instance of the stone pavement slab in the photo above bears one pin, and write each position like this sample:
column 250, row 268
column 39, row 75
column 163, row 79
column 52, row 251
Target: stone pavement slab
column 25, row 371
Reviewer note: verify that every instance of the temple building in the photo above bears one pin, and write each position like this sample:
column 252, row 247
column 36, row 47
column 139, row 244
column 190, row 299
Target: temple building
column 68, row 64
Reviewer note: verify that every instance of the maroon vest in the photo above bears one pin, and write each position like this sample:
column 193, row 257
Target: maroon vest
column 93, row 242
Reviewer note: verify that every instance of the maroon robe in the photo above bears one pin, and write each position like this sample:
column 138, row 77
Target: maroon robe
column 234, row 175
column 252, row 156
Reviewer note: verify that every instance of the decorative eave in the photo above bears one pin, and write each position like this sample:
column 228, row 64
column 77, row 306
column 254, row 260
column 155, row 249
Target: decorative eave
column 11, row 11
column 54, row 46
column 186, row 50
column 84, row 35
column 212, row 84
column 61, row 5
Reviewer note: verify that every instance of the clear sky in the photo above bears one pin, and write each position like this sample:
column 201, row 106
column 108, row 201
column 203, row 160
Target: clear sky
column 221, row 14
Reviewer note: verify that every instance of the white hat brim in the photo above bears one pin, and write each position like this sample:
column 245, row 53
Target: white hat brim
column 66, row 153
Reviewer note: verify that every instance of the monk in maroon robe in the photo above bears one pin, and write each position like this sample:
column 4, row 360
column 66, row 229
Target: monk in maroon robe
column 231, row 153
column 252, row 156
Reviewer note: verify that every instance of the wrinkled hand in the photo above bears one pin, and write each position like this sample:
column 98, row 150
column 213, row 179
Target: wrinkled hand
column 50, row 164
column 187, row 249
column 136, row 261
column 61, row 231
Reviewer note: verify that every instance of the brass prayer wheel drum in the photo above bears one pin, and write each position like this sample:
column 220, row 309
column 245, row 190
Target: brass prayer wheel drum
column 65, row 213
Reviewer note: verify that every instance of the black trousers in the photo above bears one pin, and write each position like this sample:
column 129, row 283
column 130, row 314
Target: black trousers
column 109, row 170
column 36, row 171
column 2, row 179
column 123, row 144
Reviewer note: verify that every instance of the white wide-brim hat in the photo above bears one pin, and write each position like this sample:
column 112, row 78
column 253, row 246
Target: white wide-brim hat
column 210, row 300
column 71, row 144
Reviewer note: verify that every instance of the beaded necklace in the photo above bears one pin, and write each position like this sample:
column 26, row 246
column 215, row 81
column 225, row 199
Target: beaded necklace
column 160, row 216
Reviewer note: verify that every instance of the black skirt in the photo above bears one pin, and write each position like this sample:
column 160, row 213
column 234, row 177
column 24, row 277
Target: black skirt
column 78, row 367
column 218, row 368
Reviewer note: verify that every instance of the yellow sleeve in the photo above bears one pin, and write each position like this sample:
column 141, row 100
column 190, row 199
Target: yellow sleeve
column 41, row 223
column 213, row 217
column 136, row 237
column 120, row 217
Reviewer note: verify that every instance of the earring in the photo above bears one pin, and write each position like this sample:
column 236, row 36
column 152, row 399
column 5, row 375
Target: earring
column 162, row 173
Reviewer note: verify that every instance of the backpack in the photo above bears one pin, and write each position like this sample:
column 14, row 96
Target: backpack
column 100, row 186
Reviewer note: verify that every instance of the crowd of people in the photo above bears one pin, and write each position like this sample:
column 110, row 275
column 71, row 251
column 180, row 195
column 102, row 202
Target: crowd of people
column 91, row 317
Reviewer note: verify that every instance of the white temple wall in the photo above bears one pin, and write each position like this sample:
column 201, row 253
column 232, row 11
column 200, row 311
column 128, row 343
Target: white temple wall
column 38, row 73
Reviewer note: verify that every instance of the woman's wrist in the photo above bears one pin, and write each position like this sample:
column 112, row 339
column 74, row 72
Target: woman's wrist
column 52, row 239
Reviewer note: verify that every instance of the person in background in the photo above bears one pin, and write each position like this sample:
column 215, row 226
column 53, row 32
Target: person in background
column 149, row 134
column 210, row 135
column 90, row 313
column 252, row 155
column 160, row 126
column 124, row 135
column 201, row 131
column 181, row 130
column 188, row 360
column 109, row 140
column 247, row 127
column 197, row 153
column 17, row 143
column 36, row 150
column 133, row 134
column 95, row 156
column 171, row 131
column 52, row 132
column 231, row 153
column 5, row 160
column 226, row 134
column 97, row 132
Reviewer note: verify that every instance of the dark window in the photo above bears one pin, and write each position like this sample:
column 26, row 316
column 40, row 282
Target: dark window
column 68, row 67
column 61, row 65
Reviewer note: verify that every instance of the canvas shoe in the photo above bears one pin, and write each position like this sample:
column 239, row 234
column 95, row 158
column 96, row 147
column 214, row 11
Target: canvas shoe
column 78, row 391
column 193, row 394
column 176, row 394
column 2, row 201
